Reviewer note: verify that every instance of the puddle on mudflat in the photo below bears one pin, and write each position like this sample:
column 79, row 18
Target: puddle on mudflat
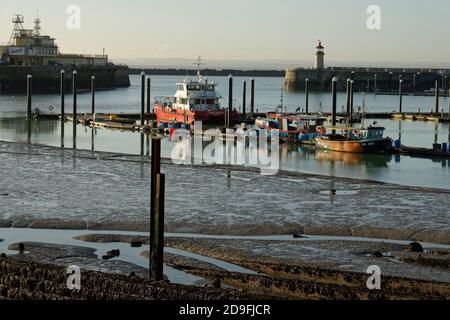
column 340, row 192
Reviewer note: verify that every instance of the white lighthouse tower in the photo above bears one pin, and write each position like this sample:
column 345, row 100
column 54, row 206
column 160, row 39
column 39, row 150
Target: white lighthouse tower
column 320, row 54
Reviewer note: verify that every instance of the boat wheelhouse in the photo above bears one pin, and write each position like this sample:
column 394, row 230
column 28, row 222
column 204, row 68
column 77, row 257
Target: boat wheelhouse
column 292, row 127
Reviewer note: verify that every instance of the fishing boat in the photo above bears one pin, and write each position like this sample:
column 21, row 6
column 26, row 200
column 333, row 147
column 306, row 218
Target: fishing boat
column 355, row 140
column 194, row 100
column 291, row 127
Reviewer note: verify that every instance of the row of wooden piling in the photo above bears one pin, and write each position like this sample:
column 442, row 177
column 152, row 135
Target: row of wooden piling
column 157, row 200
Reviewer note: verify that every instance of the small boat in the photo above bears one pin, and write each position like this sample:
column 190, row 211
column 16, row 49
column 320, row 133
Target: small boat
column 292, row 127
column 355, row 140
column 51, row 114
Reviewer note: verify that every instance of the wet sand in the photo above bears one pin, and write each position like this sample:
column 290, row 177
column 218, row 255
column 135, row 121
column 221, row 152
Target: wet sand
column 46, row 187
column 51, row 188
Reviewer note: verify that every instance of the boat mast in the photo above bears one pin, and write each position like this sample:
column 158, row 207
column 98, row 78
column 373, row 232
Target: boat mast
column 198, row 63
column 18, row 21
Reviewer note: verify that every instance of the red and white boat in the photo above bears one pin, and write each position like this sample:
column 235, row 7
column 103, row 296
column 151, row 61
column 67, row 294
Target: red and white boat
column 195, row 100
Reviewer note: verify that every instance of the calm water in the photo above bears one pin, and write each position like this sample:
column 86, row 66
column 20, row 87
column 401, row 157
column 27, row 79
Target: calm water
column 403, row 170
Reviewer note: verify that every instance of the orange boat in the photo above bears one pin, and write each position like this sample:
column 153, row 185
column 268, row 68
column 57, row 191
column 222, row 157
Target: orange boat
column 365, row 140
column 195, row 100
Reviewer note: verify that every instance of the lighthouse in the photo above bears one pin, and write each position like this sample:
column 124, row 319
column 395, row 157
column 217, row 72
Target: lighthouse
column 320, row 54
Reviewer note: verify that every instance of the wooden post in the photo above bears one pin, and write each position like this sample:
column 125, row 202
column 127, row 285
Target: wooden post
column 252, row 96
column 93, row 96
column 157, row 263
column 307, row 96
column 29, row 94
column 375, row 84
column 155, row 171
column 244, row 98
column 149, row 83
column 445, row 85
column 63, row 105
column 436, row 94
column 334, row 106
column 400, row 93
column 142, row 98
column 230, row 100
column 142, row 144
column 348, row 97
column 75, row 116
column 448, row 115
column 352, row 96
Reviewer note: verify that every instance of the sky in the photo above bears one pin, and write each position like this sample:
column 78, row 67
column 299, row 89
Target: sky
column 244, row 30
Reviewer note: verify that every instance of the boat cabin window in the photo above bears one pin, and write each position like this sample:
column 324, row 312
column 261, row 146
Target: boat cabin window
column 199, row 88
column 377, row 133
column 180, row 87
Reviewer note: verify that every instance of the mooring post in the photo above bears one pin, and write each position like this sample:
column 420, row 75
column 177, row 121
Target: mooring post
column 230, row 100
column 142, row 144
column 29, row 101
column 157, row 262
column 244, row 98
column 252, row 96
column 334, row 106
column 75, row 116
column 348, row 97
column 352, row 96
column 307, row 95
column 29, row 94
column 142, row 98
column 149, row 86
column 63, row 105
column 436, row 94
column 375, row 84
column 93, row 96
column 400, row 93
column 155, row 171
column 448, row 115
column 445, row 85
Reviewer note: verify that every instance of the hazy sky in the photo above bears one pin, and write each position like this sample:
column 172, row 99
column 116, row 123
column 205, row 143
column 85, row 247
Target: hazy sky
column 412, row 30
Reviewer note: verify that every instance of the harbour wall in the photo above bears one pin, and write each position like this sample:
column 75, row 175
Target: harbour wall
column 46, row 79
column 367, row 79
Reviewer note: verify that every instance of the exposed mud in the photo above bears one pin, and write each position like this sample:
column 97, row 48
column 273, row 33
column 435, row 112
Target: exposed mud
column 53, row 188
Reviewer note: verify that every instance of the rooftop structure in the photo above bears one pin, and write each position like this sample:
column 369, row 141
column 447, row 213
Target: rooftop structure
column 32, row 47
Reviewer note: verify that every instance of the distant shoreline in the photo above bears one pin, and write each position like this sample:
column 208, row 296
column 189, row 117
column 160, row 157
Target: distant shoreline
column 210, row 72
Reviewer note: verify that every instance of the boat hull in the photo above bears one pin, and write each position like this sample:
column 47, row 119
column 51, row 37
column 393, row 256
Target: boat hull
column 357, row 146
column 167, row 115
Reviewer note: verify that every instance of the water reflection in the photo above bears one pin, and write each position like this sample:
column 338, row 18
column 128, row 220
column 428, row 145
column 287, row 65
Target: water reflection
column 353, row 159
column 397, row 169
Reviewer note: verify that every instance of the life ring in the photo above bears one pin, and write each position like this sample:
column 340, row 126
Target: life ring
column 51, row 108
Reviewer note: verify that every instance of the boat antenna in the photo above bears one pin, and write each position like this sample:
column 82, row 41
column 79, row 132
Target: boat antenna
column 363, row 109
column 198, row 63
column 281, row 105
column 37, row 25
